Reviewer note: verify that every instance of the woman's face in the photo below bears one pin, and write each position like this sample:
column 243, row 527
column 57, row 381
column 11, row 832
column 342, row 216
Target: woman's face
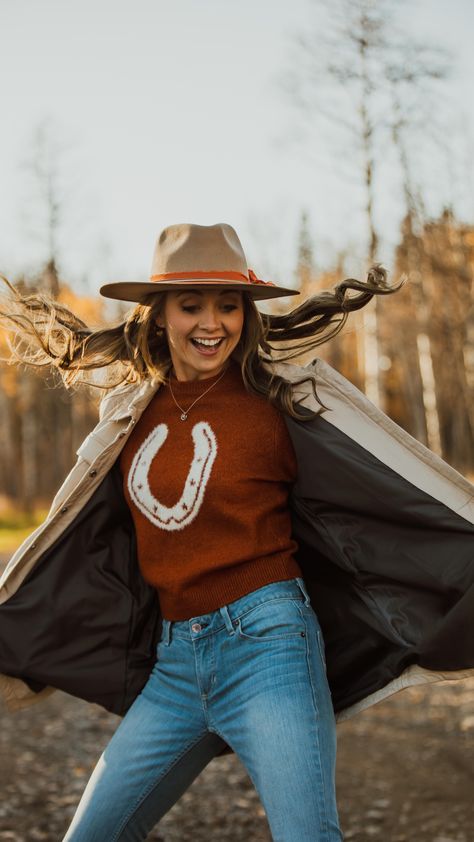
column 202, row 328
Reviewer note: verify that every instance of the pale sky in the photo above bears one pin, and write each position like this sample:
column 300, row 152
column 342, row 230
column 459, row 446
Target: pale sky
column 171, row 111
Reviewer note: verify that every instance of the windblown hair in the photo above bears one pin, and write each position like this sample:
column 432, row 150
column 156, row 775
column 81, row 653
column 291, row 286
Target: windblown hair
column 44, row 332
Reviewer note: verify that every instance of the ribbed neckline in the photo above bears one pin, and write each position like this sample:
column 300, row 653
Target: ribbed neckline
column 183, row 388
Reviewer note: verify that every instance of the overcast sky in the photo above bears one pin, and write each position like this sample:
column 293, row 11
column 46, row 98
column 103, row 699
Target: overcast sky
column 170, row 111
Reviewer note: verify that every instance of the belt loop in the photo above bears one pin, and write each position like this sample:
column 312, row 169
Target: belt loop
column 166, row 632
column 303, row 589
column 227, row 620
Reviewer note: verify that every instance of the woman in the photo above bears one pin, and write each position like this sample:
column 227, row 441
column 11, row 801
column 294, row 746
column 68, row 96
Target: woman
column 215, row 518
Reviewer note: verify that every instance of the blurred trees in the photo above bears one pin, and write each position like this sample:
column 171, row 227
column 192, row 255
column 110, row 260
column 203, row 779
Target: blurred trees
column 438, row 319
column 412, row 353
column 42, row 422
column 426, row 334
column 372, row 93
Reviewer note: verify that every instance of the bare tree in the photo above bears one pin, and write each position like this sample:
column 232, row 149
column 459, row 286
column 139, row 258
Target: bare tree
column 450, row 269
column 337, row 78
column 42, row 422
column 46, row 210
column 413, row 73
column 44, row 408
column 305, row 266
column 345, row 75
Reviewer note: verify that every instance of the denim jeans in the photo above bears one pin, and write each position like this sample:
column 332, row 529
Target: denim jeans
column 251, row 674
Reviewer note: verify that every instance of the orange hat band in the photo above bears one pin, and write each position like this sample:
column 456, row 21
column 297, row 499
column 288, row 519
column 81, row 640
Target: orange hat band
column 220, row 276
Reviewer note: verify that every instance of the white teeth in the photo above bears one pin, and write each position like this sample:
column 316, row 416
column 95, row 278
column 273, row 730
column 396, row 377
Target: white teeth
column 207, row 341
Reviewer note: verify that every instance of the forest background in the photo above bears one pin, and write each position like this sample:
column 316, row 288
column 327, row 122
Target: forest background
column 370, row 115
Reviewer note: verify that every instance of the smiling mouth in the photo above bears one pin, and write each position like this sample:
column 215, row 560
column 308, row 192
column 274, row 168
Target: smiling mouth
column 209, row 344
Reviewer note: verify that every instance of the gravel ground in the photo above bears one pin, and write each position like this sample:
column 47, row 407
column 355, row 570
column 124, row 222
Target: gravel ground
column 405, row 773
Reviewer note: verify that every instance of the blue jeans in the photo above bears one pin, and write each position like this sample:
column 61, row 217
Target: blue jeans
column 251, row 674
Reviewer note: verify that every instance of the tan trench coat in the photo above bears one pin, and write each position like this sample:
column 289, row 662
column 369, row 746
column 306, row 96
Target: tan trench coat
column 386, row 534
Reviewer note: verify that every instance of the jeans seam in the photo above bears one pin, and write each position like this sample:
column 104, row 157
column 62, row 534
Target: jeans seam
column 215, row 730
column 202, row 696
column 321, row 647
column 150, row 788
column 325, row 829
column 319, row 635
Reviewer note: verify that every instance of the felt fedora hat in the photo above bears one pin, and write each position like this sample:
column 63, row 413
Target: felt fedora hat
column 189, row 255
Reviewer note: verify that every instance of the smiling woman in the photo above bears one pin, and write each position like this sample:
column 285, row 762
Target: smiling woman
column 188, row 607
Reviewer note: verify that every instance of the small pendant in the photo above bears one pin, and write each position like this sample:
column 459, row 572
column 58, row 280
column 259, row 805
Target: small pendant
column 183, row 416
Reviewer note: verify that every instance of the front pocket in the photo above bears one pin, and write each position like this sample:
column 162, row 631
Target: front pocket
column 277, row 619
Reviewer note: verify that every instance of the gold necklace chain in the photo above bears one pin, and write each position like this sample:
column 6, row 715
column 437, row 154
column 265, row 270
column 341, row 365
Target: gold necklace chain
column 185, row 412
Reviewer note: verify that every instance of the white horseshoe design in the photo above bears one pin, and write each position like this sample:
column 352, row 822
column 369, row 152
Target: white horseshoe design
column 187, row 507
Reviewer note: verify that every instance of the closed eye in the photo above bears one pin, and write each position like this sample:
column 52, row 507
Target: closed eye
column 191, row 308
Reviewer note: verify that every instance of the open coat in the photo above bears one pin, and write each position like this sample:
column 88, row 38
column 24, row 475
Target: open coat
column 385, row 530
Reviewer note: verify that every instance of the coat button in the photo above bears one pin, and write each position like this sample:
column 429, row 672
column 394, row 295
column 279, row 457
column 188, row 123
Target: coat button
column 196, row 627
column 33, row 547
column 121, row 435
column 64, row 509
column 93, row 472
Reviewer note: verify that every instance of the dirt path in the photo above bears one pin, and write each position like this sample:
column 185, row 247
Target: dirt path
column 405, row 772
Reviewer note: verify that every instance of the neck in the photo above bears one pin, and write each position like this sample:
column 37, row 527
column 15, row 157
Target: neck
column 181, row 377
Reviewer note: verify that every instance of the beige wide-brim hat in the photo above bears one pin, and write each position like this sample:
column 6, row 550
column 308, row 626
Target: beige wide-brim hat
column 197, row 256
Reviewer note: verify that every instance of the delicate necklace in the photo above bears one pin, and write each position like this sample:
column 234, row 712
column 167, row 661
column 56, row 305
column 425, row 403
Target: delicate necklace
column 185, row 412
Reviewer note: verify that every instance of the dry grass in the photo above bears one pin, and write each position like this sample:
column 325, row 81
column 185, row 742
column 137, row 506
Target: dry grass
column 15, row 526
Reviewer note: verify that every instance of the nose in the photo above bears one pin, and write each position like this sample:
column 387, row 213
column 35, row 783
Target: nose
column 209, row 319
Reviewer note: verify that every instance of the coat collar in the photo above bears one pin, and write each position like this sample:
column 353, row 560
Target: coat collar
column 129, row 400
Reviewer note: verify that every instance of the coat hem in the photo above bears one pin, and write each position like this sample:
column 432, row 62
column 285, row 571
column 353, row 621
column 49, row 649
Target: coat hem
column 16, row 695
column 412, row 676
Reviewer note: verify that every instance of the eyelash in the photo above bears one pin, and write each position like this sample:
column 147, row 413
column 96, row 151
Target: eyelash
column 190, row 308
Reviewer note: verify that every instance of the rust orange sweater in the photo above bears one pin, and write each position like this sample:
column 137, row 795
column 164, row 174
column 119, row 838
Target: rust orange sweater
column 209, row 495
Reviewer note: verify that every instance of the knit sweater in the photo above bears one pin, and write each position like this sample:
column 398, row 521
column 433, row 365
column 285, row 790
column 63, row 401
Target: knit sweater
column 209, row 495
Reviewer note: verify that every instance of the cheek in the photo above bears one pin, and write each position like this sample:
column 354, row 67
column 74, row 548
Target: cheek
column 238, row 324
column 179, row 327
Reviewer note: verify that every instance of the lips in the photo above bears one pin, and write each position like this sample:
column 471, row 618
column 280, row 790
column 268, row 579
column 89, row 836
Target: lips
column 205, row 349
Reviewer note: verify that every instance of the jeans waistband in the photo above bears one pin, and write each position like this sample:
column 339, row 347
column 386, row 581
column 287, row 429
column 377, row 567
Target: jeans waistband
column 204, row 624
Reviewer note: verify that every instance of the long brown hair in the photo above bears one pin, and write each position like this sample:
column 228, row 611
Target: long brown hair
column 44, row 332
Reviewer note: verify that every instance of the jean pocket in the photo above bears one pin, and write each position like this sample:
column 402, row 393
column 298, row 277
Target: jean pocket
column 277, row 619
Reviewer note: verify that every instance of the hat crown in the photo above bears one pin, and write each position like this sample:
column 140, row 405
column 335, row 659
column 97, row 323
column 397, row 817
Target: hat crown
column 198, row 248
column 204, row 256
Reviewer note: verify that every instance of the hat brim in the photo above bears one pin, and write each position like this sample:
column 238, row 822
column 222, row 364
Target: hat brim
column 136, row 290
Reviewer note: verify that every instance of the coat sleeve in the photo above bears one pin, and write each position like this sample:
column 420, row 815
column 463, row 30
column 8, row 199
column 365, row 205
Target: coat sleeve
column 385, row 529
